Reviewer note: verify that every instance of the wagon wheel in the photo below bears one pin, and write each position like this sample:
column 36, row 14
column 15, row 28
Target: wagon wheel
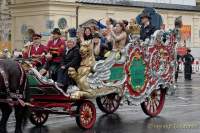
column 38, row 118
column 153, row 105
column 86, row 115
column 109, row 103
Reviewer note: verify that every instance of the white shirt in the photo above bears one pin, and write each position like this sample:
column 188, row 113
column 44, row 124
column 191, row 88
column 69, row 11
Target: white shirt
column 55, row 41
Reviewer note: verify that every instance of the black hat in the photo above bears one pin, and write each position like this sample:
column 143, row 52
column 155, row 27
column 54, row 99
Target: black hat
column 145, row 14
column 188, row 50
column 35, row 36
column 96, row 35
column 56, row 31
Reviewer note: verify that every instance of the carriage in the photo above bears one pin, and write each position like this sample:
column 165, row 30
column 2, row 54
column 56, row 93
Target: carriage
column 143, row 75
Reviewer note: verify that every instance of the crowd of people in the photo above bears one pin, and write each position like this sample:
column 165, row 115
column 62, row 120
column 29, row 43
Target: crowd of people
column 61, row 53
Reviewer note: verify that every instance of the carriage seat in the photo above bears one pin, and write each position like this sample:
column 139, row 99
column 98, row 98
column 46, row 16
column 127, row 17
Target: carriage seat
column 45, row 80
column 42, row 79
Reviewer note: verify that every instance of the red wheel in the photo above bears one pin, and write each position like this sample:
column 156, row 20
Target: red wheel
column 38, row 118
column 153, row 105
column 109, row 103
column 87, row 115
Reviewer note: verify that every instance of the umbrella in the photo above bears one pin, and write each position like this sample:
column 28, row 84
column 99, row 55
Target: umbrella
column 156, row 19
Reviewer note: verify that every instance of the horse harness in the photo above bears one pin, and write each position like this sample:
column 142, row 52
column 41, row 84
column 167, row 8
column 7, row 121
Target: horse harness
column 16, row 95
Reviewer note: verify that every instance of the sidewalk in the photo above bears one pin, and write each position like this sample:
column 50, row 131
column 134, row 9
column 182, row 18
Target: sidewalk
column 195, row 79
column 194, row 75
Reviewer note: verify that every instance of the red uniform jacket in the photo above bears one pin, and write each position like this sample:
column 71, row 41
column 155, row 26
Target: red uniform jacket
column 56, row 50
column 38, row 51
column 32, row 50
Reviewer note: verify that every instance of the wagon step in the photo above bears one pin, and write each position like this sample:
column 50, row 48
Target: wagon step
column 54, row 111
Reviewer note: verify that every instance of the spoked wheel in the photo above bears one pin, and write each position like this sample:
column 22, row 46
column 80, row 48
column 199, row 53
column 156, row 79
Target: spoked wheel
column 153, row 105
column 109, row 103
column 86, row 115
column 38, row 118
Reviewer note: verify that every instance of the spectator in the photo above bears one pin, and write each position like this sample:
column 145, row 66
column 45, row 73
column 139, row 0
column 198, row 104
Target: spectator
column 5, row 54
column 177, row 67
column 188, row 59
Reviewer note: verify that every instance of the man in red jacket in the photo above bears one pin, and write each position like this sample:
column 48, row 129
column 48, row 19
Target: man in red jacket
column 37, row 51
column 55, row 50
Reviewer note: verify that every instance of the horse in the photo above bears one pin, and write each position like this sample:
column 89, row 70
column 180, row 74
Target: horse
column 13, row 89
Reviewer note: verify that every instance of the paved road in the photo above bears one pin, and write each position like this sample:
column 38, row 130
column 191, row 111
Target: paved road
column 181, row 114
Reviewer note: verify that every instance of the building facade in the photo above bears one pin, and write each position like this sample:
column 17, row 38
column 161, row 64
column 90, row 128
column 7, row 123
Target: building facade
column 5, row 20
column 44, row 15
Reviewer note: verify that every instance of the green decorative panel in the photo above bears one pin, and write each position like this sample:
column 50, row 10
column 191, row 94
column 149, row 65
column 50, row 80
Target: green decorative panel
column 117, row 73
column 137, row 71
column 32, row 80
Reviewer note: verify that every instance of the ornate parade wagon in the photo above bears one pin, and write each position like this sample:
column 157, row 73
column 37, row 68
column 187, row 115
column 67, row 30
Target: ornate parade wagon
column 143, row 75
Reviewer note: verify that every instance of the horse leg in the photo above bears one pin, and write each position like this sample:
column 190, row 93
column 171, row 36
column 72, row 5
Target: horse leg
column 19, row 116
column 6, row 111
column 18, row 109
column 14, row 80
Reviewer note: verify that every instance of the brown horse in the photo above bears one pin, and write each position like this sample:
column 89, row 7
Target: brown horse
column 13, row 86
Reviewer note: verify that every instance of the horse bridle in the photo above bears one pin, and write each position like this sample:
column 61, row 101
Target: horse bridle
column 6, row 83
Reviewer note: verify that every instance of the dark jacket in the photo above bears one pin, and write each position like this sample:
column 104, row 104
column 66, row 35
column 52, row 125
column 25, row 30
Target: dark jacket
column 71, row 58
column 146, row 32
column 188, row 59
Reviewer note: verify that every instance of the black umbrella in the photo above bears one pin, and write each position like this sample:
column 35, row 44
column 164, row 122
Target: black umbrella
column 155, row 18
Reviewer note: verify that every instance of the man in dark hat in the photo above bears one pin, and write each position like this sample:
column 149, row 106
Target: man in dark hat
column 188, row 59
column 55, row 50
column 146, row 29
